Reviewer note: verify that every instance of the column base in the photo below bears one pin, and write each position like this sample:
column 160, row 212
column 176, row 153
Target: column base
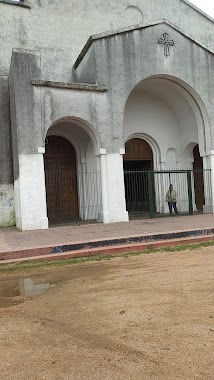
column 104, row 218
column 122, row 216
column 113, row 218
column 44, row 223
column 27, row 225
column 208, row 209
column 194, row 207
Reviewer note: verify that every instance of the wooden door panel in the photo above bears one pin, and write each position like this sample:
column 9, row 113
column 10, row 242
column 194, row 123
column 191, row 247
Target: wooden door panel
column 51, row 189
column 61, row 180
column 67, row 189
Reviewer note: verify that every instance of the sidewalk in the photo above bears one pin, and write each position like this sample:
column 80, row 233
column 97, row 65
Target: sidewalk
column 15, row 244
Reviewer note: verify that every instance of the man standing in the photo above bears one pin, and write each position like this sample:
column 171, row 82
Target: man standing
column 171, row 198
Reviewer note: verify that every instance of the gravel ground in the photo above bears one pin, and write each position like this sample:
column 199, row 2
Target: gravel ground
column 148, row 317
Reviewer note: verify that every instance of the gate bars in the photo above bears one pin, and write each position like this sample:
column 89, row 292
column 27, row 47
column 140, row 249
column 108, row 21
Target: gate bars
column 80, row 199
column 146, row 192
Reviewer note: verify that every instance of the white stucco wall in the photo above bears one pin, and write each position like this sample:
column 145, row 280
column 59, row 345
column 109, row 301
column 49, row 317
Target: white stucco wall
column 160, row 114
column 149, row 115
column 115, row 188
column 60, row 28
column 29, row 193
column 165, row 117
column 122, row 62
column 7, row 208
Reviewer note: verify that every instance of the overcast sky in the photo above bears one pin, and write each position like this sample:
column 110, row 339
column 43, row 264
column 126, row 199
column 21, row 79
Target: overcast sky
column 206, row 5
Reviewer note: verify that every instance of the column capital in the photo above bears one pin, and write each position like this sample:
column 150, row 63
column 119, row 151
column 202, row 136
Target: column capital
column 102, row 151
column 207, row 153
column 122, row 151
column 41, row 149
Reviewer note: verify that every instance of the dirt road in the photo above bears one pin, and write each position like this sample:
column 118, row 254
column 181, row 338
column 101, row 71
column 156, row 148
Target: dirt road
column 149, row 317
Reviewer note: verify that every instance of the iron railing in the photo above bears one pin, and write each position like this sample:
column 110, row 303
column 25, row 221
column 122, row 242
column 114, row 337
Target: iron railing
column 146, row 192
column 75, row 198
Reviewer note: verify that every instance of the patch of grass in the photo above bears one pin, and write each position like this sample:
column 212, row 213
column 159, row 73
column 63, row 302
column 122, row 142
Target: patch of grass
column 25, row 265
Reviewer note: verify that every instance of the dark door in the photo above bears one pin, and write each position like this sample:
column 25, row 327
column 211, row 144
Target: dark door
column 198, row 179
column 138, row 160
column 61, row 179
column 136, row 185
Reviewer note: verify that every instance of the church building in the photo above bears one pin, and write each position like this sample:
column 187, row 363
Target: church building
column 103, row 105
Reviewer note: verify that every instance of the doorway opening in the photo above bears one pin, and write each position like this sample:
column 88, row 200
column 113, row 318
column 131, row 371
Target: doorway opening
column 61, row 180
column 138, row 161
column 198, row 179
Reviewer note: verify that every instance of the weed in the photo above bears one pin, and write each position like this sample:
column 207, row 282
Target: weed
column 27, row 265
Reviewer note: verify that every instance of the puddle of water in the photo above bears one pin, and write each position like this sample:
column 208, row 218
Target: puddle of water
column 15, row 291
column 11, row 290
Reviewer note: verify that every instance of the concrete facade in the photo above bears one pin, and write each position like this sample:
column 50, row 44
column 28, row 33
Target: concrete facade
column 120, row 86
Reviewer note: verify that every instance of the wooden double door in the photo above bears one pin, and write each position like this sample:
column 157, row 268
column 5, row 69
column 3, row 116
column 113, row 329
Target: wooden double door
column 61, row 180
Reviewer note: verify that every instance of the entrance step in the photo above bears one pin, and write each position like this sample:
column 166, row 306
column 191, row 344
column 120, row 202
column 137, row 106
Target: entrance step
column 108, row 246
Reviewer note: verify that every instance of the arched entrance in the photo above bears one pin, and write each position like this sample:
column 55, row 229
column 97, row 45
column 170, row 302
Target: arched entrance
column 165, row 111
column 60, row 179
column 138, row 161
column 138, row 155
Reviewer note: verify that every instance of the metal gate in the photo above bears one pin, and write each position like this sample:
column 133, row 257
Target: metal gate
column 146, row 190
column 73, row 197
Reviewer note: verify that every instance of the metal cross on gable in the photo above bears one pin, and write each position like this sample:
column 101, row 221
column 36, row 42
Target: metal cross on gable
column 167, row 43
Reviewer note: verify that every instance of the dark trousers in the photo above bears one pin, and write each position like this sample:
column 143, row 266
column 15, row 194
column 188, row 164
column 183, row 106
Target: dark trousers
column 172, row 204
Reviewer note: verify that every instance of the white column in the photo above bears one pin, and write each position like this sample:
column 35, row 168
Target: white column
column 209, row 195
column 207, row 208
column 105, row 215
column 82, row 188
column 164, row 184
column 193, row 186
column 30, row 193
column 163, row 188
column 113, row 189
column 116, row 187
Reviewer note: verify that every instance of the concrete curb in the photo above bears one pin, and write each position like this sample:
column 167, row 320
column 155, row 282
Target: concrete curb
column 105, row 250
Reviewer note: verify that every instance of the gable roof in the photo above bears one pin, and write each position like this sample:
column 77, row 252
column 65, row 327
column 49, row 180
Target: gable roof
column 197, row 9
column 132, row 28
